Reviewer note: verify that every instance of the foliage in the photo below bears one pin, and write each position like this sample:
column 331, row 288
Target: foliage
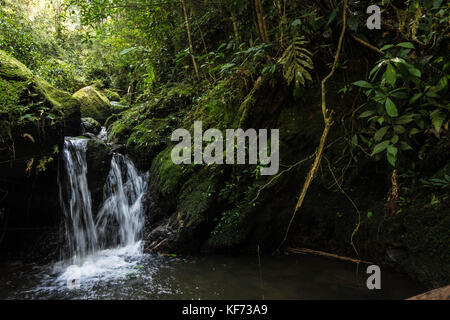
column 405, row 99
column 295, row 60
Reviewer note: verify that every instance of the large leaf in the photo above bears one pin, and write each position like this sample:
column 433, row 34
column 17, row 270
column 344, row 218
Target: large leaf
column 363, row 84
column 407, row 45
column 127, row 50
column 437, row 119
column 380, row 147
column 380, row 133
column 390, row 75
column 391, row 109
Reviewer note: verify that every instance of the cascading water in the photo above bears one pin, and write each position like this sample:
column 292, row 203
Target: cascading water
column 123, row 194
column 81, row 233
column 110, row 239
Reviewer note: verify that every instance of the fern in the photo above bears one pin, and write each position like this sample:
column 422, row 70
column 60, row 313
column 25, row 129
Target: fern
column 295, row 60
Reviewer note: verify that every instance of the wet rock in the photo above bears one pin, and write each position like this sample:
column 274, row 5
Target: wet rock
column 90, row 125
column 98, row 158
column 28, row 165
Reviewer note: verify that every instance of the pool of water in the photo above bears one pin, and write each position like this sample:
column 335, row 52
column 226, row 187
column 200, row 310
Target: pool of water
column 125, row 273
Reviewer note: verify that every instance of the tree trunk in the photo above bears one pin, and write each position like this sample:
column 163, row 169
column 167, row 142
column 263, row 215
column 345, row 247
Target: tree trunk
column 191, row 47
column 263, row 34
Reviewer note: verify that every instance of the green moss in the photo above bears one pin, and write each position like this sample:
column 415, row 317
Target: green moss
column 196, row 205
column 149, row 137
column 219, row 106
column 168, row 176
column 91, row 125
column 61, row 100
column 93, row 104
column 111, row 95
column 11, row 68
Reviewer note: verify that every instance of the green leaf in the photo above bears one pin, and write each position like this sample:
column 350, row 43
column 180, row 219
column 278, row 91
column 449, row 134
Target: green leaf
column 405, row 119
column 404, row 146
column 380, row 147
column 407, row 45
column 391, row 109
column 437, row 119
column 415, row 97
column 388, row 46
column 380, row 133
column 366, row 114
column 391, row 159
column 414, row 131
column 394, row 139
column 399, row 129
column 355, row 140
column 392, row 150
column 415, row 72
column 332, row 15
column 127, row 50
column 390, row 75
column 363, row 84
column 296, row 22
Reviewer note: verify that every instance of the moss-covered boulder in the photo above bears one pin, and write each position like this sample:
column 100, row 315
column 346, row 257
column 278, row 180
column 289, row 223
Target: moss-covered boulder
column 34, row 118
column 13, row 69
column 90, row 125
column 93, row 104
column 111, row 95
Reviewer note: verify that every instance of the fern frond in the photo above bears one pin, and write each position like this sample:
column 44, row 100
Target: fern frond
column 295, row 60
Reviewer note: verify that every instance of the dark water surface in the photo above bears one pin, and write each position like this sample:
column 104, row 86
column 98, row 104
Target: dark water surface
column 126, row 274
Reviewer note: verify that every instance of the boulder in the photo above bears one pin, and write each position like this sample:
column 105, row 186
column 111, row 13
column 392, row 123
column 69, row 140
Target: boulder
column 93, row 104
column 34, row 118
column 90, row 125
column 98, row 158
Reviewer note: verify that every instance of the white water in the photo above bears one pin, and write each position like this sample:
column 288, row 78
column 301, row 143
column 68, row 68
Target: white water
column 76, row 202
column 104, row 245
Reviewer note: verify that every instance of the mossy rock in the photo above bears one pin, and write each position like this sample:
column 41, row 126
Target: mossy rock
column 117, row 107
column 111, row 95
column 196, row 206
column 13, row 69
column 61, row 100
column 148, row 139
column 167, row 176
column 93, row 104
column 91, row 125
column 19, row 87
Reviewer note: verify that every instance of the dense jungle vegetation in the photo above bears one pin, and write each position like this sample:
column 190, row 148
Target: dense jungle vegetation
column 363, row 117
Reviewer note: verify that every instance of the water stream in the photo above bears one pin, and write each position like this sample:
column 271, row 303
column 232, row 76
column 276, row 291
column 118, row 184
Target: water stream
column 105, row 259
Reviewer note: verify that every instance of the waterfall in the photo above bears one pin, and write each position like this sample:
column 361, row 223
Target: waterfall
column 81, row 233
column 123, row 194
column 120, row 220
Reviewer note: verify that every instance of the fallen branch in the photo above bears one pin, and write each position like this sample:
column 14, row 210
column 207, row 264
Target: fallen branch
column 368, row 45
column 325, row 254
